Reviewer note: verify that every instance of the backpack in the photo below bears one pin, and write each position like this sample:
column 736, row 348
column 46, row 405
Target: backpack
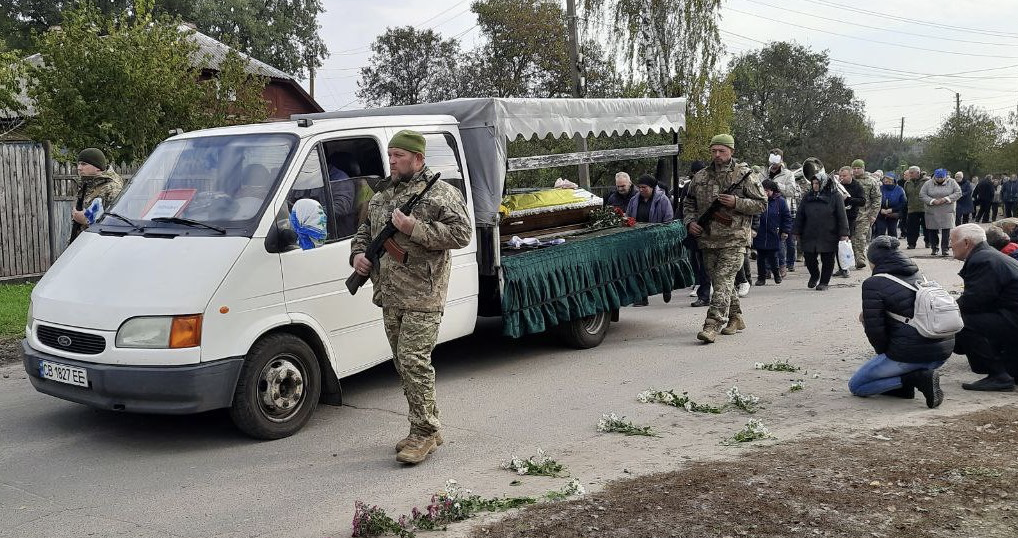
column 936, row 313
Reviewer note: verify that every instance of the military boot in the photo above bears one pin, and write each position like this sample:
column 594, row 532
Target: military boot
column 735, row 324
column 709, row 333
column 417, row 449
column 406, row 440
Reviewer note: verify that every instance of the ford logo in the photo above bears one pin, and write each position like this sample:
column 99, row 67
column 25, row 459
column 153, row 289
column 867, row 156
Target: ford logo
column 64, row 340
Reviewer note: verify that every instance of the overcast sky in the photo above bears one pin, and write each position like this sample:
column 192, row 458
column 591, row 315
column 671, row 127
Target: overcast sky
column 886, row 50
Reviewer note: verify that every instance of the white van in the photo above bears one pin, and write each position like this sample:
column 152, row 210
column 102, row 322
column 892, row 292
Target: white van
column 191, row 294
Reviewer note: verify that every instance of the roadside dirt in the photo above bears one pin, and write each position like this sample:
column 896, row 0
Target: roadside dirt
column 9, row 351
column 953, row 477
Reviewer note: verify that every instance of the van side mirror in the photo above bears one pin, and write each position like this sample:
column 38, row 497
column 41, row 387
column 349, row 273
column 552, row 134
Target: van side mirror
column 280, row 239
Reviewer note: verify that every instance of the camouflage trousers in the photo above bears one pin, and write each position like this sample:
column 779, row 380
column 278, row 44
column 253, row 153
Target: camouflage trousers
column 722, row 265
column 412, row 336
column 862, row 234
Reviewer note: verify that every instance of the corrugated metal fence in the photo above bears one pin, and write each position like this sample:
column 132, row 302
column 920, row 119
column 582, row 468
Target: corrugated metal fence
column 36, row 198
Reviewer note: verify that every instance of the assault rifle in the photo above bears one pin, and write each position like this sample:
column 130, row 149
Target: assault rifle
column 80, row 206
column 383, row 242
column 715, row 206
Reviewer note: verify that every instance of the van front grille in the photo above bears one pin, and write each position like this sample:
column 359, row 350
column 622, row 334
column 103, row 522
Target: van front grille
column 71, row 341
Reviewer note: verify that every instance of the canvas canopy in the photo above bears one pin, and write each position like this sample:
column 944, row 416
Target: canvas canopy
column 488, row 124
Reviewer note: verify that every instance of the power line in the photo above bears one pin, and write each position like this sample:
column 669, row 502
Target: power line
column 915, row 21
column 859, row 24
column 849, row 36
column 958, row 74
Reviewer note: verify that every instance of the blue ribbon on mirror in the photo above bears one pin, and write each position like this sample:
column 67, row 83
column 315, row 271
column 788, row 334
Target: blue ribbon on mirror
column 306, row 236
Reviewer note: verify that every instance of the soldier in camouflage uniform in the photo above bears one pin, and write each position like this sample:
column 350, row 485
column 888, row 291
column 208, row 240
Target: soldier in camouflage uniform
column 725, row 238
column 97, row 181
column 412, row 295
column 863, row 233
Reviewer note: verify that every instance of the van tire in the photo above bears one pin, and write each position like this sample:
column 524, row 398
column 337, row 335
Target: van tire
column 585, row 333
column 279, row 387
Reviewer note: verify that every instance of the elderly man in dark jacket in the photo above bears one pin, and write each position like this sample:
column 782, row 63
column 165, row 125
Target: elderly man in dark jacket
column 989, row 308
column 905, row 359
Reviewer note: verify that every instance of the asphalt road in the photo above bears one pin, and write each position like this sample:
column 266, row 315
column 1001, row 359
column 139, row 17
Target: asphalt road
column 70, row 471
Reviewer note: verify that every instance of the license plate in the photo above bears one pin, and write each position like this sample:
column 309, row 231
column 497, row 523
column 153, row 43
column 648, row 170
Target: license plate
column 62, row 373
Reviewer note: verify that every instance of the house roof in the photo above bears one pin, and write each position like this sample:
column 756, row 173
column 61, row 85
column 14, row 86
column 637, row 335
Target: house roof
column 215, row 52
column 211, row 54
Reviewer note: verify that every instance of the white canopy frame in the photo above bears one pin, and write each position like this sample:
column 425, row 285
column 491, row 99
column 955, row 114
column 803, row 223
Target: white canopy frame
column 488, row 124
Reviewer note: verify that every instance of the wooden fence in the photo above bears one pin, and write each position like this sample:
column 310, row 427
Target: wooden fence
column 25, row 248
column 36, row 198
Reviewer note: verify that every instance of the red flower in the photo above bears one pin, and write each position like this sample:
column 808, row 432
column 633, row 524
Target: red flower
column 618, row 211
column 630, row 221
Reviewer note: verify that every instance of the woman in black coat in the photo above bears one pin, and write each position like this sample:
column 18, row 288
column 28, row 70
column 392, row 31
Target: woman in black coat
column 820, row 223
column 906, row 360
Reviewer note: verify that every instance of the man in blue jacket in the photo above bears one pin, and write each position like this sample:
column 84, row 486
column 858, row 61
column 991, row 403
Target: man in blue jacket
column 989, row 308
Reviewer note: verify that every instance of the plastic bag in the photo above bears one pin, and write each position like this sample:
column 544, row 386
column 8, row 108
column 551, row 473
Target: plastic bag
column 846, row 256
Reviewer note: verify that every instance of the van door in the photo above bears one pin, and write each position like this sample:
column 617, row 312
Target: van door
column 338, row 173
column 443, row 155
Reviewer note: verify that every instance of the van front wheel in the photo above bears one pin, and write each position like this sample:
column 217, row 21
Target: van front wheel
column 278, row 389
column 585, row 333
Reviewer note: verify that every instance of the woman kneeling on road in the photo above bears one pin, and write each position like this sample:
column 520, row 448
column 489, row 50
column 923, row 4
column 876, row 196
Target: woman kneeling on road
column 905, row 359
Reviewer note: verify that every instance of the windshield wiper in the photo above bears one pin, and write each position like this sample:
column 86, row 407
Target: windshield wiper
column 189, row 222
column 125, row 219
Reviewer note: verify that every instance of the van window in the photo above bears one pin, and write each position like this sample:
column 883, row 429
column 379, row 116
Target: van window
column 354, row 164
column 310, row 183
column 442, row 157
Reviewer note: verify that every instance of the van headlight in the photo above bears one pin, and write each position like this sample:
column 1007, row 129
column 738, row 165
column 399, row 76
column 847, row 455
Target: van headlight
column 160, row 332
column 30, row 321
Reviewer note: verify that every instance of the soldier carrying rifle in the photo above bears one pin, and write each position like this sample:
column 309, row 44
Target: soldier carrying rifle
column 411, row 287
column 723, row 197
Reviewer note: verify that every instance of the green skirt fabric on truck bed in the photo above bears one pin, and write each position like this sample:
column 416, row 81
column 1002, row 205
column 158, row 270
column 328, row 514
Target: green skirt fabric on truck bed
column 591, row 273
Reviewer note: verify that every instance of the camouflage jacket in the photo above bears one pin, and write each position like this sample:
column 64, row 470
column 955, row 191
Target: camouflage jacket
column 871, row 188
column 106, row 185
column 705, row 187
column 442, row 225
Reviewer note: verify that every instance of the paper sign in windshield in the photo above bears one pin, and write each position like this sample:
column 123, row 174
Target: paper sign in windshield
column 169, row 203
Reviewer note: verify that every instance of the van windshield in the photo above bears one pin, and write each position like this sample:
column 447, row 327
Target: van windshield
column 224, row 181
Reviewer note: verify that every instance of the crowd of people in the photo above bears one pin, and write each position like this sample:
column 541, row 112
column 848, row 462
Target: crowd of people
column 858, row 220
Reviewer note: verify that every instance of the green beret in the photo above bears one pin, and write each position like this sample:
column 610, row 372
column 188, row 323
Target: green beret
column 93, row 156
column 858, row 163
column 411, row 141
column 724, row 140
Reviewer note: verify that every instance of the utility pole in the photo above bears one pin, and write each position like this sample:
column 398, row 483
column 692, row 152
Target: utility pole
column 901, row 135
column 583, row 170
column 311, row 83
column 957, row 104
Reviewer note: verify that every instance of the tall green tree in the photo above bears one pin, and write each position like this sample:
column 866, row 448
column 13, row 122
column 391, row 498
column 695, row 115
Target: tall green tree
column 282, row 33
column 10, row 83
column 123, row 82
column 786, row 97
column 887, row 153
column 675, row 47
column 409, row 66
column 965, row 142
column 525, row 51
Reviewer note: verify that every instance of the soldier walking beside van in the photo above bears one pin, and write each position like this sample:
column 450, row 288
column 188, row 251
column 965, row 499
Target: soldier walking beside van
column 412, row 291
column 99, row 186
